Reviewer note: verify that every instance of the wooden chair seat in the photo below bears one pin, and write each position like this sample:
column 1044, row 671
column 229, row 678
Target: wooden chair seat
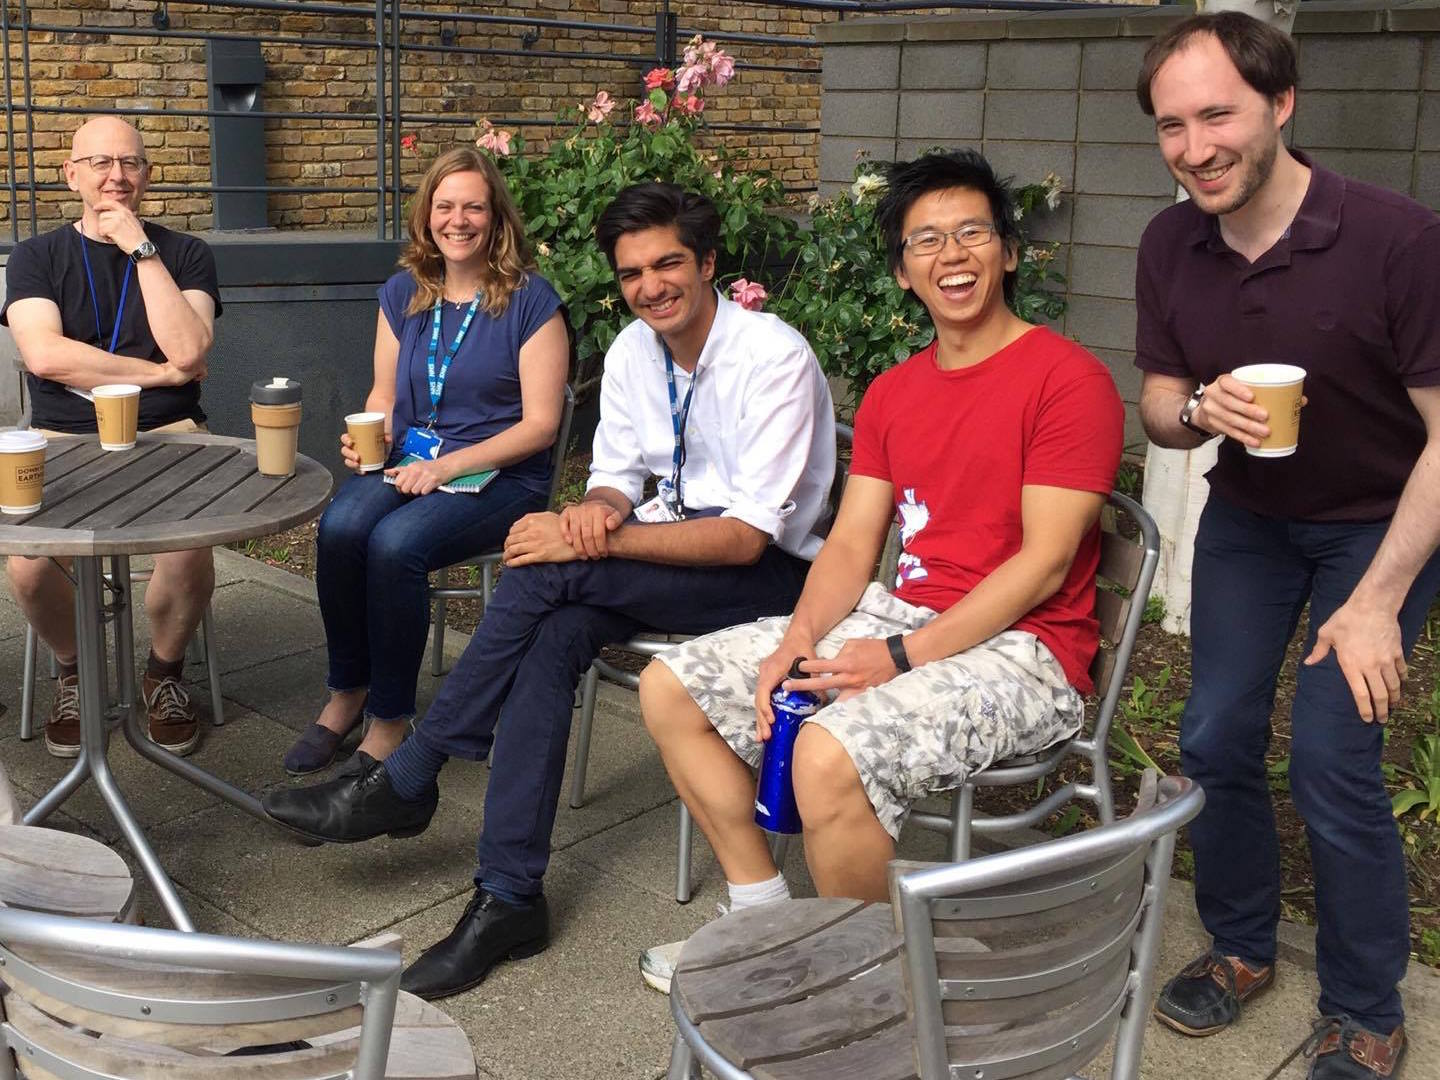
column 59, row 873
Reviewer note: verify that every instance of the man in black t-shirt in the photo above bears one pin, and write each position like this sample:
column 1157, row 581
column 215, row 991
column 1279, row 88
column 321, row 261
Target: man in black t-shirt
column 111, row 299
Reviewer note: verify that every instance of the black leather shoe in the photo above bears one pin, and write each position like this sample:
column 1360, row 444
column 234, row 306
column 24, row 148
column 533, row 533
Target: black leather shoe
column 350, row 808
column 1206, row 996
column 489, row 931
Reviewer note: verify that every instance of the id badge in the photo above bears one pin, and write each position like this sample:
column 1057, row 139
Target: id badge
column 661, row 508
column 423, row 443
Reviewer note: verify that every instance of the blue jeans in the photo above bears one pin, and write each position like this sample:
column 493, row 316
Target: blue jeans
column 1252, row 578
column 544, row 626
column 374, row 551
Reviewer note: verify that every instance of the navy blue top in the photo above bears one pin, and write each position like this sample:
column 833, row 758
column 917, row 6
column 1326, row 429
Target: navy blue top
column 482, row 390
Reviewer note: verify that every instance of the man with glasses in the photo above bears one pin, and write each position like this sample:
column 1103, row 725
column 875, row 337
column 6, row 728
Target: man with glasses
column 996, row 445
column 113, row 299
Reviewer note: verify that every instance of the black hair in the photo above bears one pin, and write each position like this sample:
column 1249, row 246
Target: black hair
column 656, row 205
column 1264, row 55
column 911, row 180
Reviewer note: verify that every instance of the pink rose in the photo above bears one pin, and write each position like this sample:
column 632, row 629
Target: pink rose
column 659, row 79
column 692, row 77
column 496, row 140
column 692, row 104
column 646, row 116
column 600, row 108
column 750, row 295
column 722, row 68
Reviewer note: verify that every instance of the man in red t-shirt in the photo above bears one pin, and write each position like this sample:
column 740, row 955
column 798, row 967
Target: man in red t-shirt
column 997, row 445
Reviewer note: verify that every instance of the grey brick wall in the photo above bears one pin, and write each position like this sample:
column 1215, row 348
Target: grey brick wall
column 1047, row 92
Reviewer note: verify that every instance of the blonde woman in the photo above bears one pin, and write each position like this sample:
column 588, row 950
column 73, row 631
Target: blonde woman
column 471, row 356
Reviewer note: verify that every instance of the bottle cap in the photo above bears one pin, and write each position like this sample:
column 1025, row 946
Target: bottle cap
column 277, row 391
column 795, row 672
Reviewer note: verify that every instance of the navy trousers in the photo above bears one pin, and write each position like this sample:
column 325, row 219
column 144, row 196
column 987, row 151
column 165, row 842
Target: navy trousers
column 1252, row 578
column 544, row 626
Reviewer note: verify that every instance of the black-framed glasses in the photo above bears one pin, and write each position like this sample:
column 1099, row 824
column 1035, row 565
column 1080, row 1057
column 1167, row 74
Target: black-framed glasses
column 931, row 241
column 101, row 164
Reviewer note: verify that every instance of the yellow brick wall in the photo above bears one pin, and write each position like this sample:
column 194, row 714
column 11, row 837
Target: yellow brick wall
column 87, row 68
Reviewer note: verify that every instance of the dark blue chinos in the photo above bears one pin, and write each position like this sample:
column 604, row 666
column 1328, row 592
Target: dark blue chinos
column 1252, row 578
column 544, row 626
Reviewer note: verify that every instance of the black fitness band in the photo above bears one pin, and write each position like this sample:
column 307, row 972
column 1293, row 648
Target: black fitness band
column 896, row 644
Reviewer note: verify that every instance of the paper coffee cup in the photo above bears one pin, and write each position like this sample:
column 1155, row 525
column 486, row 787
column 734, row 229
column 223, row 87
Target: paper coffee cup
column 117, row 413
column 1277, row 389
column 275, row 410
column 367, row 432
column 22, row 471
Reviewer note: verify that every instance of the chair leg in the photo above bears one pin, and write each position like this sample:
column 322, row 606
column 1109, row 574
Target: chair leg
column 682, row 856
column 683, row 1065
column 962, row 812
column 779, row 848
column 487, row 583
column 582, row 738
column 437, row 640
column 212, row 664
column 1100, row 769
column 27, row 685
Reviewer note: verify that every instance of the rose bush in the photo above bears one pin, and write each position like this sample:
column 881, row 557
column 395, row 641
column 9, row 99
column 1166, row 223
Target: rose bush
column 828, row 280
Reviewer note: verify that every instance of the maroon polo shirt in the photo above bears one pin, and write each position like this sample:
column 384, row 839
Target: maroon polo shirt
column 1350, row 293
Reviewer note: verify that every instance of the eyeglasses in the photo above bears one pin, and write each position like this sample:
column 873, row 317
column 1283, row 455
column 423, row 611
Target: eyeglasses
column 931, row 241
column 101, row 164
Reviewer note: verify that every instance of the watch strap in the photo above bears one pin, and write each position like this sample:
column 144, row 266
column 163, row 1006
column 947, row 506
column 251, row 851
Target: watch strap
column 896, row 644
column 144, row 250
column 1188, row 410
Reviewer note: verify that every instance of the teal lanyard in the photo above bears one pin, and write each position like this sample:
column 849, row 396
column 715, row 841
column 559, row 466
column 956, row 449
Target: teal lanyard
column 437, row 379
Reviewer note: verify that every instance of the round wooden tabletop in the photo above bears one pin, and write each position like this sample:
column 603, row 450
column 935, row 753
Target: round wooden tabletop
column 167, row 493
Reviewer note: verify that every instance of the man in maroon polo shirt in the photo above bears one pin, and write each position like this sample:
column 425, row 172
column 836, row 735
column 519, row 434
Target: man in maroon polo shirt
column 1275, row 259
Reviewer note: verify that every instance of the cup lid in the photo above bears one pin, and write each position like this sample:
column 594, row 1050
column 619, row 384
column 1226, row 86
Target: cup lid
column 276, row 391
column 115, row 390
column 21, row 441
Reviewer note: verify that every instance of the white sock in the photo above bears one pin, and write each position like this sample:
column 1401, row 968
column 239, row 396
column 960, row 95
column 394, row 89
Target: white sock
column 761, row 892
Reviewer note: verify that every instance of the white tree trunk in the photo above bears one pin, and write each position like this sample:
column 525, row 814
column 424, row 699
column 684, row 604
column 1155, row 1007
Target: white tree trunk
column 1175, row 487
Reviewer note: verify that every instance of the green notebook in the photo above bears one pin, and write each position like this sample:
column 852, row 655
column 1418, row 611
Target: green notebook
column 469, row 484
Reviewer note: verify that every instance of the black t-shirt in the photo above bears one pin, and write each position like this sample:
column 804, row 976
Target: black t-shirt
column 52, row 266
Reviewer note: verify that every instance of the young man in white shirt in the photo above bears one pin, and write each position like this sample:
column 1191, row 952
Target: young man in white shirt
column 728, row 411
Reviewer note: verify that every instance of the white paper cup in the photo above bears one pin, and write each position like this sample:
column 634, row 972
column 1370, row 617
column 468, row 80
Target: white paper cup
column 1277, row 389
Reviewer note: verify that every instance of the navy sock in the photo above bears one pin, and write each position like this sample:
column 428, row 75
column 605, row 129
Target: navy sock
column 414, row 767
column 504, row 894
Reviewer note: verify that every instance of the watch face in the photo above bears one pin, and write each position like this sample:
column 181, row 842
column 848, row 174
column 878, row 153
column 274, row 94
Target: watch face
column 144, row 251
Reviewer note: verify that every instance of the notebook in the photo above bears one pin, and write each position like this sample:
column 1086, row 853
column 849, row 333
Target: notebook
column 469, row 484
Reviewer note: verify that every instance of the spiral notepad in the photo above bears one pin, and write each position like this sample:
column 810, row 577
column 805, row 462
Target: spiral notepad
column 469, row 484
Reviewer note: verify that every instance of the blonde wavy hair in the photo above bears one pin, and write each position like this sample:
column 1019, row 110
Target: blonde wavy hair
column 508, row 259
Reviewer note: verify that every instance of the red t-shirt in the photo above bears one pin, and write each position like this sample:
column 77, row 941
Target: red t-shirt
column 958, row 446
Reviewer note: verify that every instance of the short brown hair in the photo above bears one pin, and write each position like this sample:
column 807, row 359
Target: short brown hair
column 1264, row 56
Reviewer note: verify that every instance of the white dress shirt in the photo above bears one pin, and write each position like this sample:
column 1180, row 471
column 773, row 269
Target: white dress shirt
column 760, row 438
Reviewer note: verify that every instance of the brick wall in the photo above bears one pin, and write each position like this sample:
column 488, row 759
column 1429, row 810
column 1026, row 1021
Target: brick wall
column 86, row 67
column 1056, row 92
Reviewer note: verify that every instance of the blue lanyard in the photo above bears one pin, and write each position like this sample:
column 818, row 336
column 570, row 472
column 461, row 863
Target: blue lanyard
column 437, row 380
column 679, row 416
column 95, row 300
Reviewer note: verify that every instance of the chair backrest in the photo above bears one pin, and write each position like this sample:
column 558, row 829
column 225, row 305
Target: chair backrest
column 90, row 998
column 844, row 440
column 1021, row 964
column 562, row 445
column 1122, row 589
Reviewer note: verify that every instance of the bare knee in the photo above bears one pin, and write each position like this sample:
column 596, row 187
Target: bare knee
column 665, row 704
column 190, row 573
column 30, row 578
column 827, row 784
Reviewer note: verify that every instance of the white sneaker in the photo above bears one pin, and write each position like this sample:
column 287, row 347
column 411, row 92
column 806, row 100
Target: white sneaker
column 657, row 965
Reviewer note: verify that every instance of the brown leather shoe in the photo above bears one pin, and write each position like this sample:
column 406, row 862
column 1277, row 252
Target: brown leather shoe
column 1346, row 1051
column 172, row 718
column 62, row 730
column 1207, row 994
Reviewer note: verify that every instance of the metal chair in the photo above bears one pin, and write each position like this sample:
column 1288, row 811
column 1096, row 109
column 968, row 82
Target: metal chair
column 652, row 643
column 84, row 997
column 1019, row 965
column 1123, row 583
column 442, row 592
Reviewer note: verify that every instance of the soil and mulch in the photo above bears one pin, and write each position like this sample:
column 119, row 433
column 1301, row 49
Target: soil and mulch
column 1156, row 686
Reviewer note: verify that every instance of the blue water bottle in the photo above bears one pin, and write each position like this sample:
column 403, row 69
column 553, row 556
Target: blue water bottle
column 775, row 809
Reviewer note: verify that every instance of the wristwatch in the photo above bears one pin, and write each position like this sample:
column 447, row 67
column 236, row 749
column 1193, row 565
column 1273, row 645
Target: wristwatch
column 143, row 251
column 1186, row 411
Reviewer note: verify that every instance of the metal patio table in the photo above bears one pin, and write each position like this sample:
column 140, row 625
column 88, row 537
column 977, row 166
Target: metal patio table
column 168, row 493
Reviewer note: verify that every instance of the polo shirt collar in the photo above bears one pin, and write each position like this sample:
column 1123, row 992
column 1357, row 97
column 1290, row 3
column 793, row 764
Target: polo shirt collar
column 1316, row 224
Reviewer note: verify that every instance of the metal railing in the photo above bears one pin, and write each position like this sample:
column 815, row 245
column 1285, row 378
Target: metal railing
column 394, row 35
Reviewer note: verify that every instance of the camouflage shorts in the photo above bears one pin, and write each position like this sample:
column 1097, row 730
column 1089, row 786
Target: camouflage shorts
column 920, row 733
